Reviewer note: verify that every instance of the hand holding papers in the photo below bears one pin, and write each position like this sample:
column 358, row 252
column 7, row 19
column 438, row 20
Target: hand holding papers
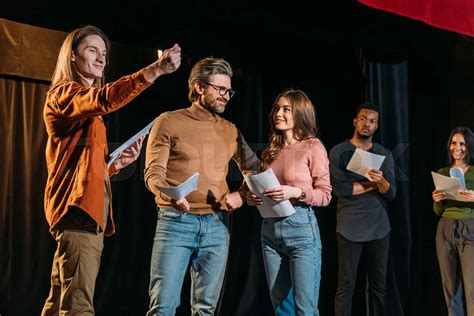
column 258, row 183
column 363, row 161
column 117, row 152
column 180, row 191
column 449, row 185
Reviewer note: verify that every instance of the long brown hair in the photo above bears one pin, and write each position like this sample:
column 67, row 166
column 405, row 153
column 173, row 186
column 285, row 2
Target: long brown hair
column 469, row 141
column 304, row 116
column 65, row 69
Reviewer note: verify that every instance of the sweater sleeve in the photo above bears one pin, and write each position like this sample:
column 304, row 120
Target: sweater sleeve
column 320, row 193
column 388, row 169
column 438, row 207
column 157, row 153
column 342, row 185
column 245, row 156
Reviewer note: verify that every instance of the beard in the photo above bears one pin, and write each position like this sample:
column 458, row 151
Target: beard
column 213, row 105
column 363, row 137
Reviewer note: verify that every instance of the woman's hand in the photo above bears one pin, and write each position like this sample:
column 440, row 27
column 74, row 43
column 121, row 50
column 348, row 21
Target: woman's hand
column 283, row 192
column 253, row 199
column 467, row 195
column 438, row 195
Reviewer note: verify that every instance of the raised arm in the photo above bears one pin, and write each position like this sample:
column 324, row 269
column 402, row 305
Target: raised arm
column 167, row 63
column 69, row 101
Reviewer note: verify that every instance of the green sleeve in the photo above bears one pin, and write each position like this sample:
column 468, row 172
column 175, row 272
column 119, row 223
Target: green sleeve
column 438, row 208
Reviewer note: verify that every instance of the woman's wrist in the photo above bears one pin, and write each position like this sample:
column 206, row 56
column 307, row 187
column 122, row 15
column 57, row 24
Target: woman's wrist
column 302, row 195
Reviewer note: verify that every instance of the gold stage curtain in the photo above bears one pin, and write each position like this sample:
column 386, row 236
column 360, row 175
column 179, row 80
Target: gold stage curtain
column 28, row 51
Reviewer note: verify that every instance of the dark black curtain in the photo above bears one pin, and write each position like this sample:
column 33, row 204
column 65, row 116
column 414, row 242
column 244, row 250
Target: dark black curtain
column 440, row 74
column 387, row 87
column 245, row 289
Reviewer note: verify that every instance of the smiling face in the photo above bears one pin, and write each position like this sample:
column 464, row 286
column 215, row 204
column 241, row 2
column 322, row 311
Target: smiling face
column 90, row 58
column 283, row 115
column 457, row 148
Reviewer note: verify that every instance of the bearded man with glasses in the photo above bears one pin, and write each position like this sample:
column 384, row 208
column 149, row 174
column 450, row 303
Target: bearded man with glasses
column 193, row 228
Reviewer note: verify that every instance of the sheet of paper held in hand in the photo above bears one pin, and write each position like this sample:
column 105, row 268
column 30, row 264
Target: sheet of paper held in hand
column 180, row 191
column 258, row 183
column 450, row 185
column 129, row 143
column 456, row 172
column 363, row 161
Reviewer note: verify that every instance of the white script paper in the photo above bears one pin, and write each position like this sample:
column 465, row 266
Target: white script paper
column 363, row 161
column 456, row 172
column 258, row 183
column 117, row 152
column 450, row 185
column 180, row 191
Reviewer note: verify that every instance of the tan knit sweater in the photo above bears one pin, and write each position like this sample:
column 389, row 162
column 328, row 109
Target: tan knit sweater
column 193, row 140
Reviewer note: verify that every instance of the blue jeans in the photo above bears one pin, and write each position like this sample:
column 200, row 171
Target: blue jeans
column 179, row 238
column 292, row 256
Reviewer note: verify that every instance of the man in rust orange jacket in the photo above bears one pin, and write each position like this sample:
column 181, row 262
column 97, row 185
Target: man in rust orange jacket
column 77, row 194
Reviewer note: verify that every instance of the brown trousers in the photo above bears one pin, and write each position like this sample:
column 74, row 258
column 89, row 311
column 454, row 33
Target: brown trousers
column 76, row 264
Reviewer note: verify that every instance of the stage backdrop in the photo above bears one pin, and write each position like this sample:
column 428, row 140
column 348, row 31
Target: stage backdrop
column 330, row 74
column 452, row 15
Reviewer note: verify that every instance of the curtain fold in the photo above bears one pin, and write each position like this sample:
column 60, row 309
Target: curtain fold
column 24, row 236
column 31, row 51
column 245, row 288
column 451, row 15
column 387, row 86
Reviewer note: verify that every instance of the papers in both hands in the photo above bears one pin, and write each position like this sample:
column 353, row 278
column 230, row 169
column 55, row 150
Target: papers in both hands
column 450, row 185
column 180, row 191
column 258, row 183
column 363, row 161
column 117, row 152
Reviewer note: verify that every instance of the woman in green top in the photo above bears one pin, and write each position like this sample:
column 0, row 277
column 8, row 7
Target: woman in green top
column 455, row 233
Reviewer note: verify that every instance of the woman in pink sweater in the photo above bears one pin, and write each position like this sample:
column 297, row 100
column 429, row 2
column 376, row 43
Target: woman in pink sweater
column 291, row 245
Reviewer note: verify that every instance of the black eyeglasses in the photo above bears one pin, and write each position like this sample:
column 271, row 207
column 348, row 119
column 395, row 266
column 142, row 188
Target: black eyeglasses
column 222, row 90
